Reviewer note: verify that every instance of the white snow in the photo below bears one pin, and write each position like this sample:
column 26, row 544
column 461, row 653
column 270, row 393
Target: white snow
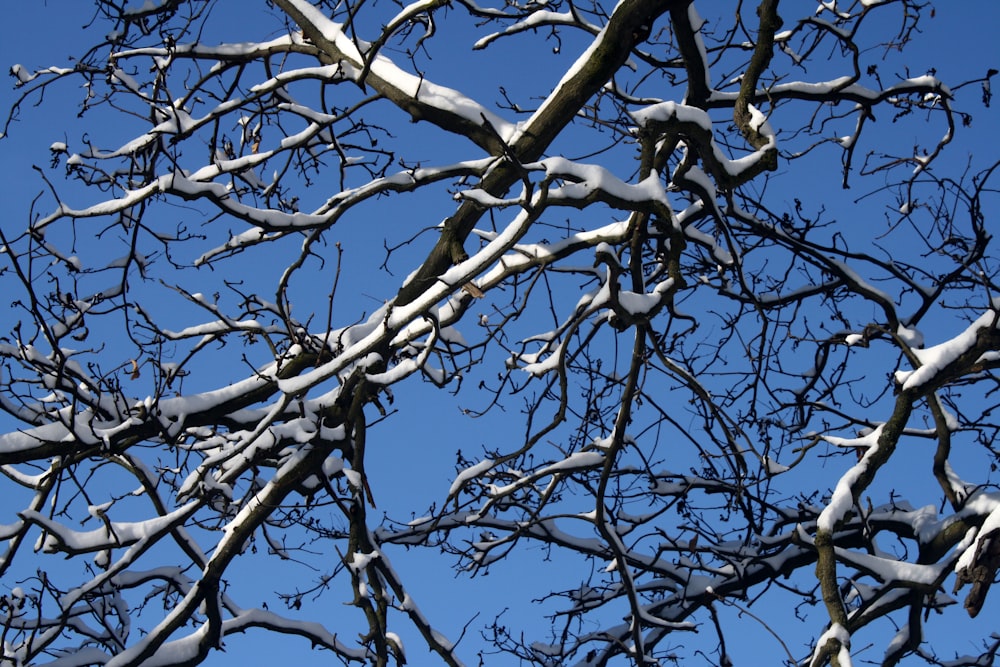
column 840, row 634
column 992, row 523
column 394, row 640
column 576, row 461
column 641, row 304
column 934, row 359
column 416, row 87
column 759, row 122
column 361, row 561
column 773, row 467
column 663, row 112
column 588, row 179
column 22, row 75
column 911, row 336
column 469, row 473
column 667, row 111
column 898, row 641
column 537, row 19
column 696, row 22
column 890, row 569
column 122, row 533
column 843, row 500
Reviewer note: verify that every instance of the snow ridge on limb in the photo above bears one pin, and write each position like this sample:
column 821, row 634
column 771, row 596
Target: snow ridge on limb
column 422, row 99
column 977, row 348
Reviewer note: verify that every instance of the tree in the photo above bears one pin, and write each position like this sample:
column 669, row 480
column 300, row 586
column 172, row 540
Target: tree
column 686, row 279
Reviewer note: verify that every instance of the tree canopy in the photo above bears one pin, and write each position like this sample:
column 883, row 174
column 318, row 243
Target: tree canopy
column 699, row 308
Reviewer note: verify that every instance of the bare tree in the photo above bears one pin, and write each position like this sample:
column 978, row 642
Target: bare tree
column 718, row 406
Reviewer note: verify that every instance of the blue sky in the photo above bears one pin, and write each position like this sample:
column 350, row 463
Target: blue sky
column 417, row 469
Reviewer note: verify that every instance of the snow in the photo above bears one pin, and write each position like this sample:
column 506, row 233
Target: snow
column 540, row 368
column 485, row 199
column 547, row 650
column 332, row 465
column 642, row 304
column 178, row 651
column 604, row 443
column 576, row 181
column 147, row 7
column 454, row 336
column 719, row 254
column 672, row 112
column 469, row 473
column 58, row 537
column 571, row 73
column 126, row 80
column 441, row 640
column 361, row 561
column 391, row 318
column 968, row 556
column 591, row 178
column 14, row 442
column 910, row 336
column 537, row 19
column 859, row 282
column 395, row 641
column 890, row 569
column 78, row 658
column 925, row 521
column 22, row 75
column 527, row 254
column 415, row 87
column 773, row 467
column 843, row 499
column 759, row 122
column 840, row 634
column 899, row 641
column 97, row 511
column 354, row 478
column 934, row 359
column 697, row 176
column 667, row 111
column 696, row 22
column 314, row 631
column 9, row 530
column 576, row 461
